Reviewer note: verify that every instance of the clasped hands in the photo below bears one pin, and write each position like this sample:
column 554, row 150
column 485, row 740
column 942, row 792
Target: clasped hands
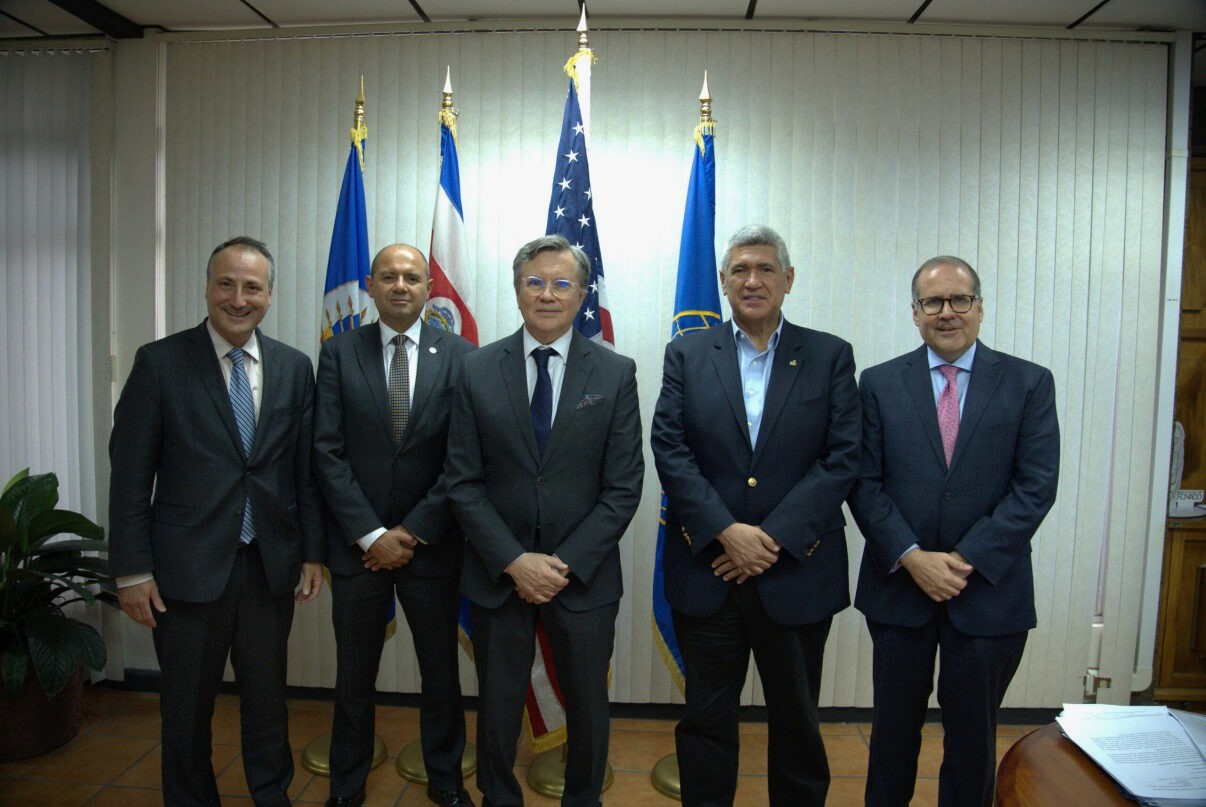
column 748, row 551
column 393, row 550
column 941, row 575
column 538, row 577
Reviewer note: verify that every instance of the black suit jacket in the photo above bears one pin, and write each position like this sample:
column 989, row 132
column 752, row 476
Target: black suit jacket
column 180, row 478
column 367, row 480
column 987, row 506
column 575, row 501
column 792, row 483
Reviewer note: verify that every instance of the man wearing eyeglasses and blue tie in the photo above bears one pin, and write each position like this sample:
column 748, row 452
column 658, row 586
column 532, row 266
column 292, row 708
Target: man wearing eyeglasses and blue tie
column 544, row 473
column 959, row 466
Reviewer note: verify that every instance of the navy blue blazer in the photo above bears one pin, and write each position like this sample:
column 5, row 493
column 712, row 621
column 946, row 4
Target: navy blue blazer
column 792, row 483
column 180, row 476
column 367, row 480
column 987, row 506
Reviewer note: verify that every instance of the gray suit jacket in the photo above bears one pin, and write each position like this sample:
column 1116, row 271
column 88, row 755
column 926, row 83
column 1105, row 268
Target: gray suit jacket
column 987, row 505
column 367, row 480
column 180, row 477
column 575, row 501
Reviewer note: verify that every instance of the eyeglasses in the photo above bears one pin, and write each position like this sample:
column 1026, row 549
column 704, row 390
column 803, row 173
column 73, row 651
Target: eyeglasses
column 558, row 287
column 960, row 303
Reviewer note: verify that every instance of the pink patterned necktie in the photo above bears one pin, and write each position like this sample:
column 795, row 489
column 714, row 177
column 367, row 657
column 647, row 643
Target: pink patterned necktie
column 948, row 411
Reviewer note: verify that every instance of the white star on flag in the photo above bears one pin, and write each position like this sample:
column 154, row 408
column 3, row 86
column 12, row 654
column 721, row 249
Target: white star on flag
column 589, row 313
column 572, row 156
column 584, row 221
column 565, row 184
column 559, row 212
column 578, row 128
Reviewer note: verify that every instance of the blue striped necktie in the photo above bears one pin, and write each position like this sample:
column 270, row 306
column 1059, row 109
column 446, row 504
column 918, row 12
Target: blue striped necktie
column 244, row 412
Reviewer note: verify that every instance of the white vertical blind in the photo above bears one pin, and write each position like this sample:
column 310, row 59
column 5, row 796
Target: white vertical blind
column 46, row 401
column 1040, row 161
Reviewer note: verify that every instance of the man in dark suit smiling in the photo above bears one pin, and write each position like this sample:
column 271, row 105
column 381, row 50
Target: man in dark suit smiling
column 755, row 436
column 960, row 463
column 213, row 515
column 544, row 473
column 381, row 428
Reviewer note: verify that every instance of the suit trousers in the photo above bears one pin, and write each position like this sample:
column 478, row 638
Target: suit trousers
column 973, row 674
column 192, row 641
column 503, row 646
column 360, row 612
column 716, row 651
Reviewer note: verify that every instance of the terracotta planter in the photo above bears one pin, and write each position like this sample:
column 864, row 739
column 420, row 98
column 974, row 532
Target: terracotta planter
column 35, row 724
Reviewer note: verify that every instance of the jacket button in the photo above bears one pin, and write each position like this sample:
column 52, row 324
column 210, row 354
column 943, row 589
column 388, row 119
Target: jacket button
column 752, row 481
column 946, row 496
column 539, row 480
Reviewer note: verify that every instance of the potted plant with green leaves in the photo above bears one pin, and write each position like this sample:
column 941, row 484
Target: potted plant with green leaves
column 43, row 650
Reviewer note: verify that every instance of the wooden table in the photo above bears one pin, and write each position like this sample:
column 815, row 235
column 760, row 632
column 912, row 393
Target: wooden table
column 1046, row 769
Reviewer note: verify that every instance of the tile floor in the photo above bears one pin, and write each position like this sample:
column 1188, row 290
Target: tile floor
column 115, row 759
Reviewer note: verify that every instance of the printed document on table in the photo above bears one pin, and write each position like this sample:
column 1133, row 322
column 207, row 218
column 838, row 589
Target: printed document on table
column 1144, row 748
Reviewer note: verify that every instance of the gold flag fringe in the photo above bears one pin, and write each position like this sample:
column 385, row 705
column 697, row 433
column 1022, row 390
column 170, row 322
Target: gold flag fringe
column 705, row 127
column 571, row 67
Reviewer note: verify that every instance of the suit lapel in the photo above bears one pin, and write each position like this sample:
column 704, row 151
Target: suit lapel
column 724, row 360
column 273, row 376
column 371, row 358
column 515, row 380
column 986, row 375
column 205, row 360
column 789, row 358
column 916, row 380
column 431, row 364
column 579, row 365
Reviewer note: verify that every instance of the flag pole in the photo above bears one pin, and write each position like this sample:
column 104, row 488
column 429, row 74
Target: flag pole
column 665, row 773
column 410, row 764
column 316, row 758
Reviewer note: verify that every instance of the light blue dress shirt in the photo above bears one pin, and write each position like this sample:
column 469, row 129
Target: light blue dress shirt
column 755, row 370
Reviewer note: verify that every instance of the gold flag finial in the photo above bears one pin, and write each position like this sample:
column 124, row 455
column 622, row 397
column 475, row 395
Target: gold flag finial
column 706, row 124
column 583, row 52
column 583, row 31
column 359, row 132
column 448, row 113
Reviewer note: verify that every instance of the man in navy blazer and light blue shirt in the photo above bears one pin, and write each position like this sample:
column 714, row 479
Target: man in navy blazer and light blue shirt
column 213, row 514
column 756, row 439
column 544, row 472
column 380, row 434
column 955, row 481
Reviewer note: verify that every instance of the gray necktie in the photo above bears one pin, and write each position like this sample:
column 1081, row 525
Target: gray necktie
column 399, row 388
column 244, row 411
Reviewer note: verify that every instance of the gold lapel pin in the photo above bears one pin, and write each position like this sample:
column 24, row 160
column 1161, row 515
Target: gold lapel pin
column 792, row 363
column 431, row 350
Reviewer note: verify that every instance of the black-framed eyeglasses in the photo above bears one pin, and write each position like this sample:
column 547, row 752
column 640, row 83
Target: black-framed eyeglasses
column 960, row 303
column 559, row 287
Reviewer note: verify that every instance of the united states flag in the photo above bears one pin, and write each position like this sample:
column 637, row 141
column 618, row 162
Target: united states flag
column 572, row 215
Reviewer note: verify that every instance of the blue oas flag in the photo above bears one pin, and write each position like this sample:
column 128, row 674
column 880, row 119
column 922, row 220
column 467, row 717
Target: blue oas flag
column 572, row 215
column 344, row 299
column 696, row 306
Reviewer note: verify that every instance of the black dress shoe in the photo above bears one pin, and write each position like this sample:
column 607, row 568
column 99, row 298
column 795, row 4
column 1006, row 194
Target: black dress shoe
column 450, row 798
column 346, row 801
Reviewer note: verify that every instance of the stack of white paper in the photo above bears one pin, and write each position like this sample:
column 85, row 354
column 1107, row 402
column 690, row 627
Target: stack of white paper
column 1153, row 752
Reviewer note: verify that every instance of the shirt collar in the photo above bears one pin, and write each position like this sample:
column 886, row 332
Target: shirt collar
column 771, row 344
column 412, row 333
column 561, row 344
column 222, row 347
column 964, row 362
